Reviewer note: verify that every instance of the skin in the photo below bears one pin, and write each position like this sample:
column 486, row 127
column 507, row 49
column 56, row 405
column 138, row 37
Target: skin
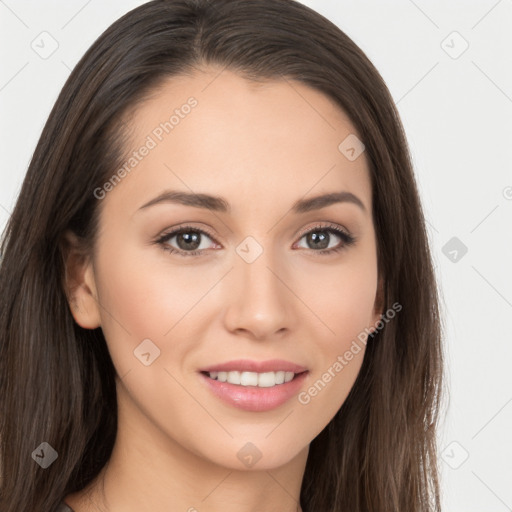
column 261, row 147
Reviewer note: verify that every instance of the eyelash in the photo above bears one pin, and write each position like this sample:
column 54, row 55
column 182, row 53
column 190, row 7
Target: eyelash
column 346, row 238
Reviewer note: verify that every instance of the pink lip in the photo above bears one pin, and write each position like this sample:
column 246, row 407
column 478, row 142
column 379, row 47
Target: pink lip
column 246, row 365
column 254, row 398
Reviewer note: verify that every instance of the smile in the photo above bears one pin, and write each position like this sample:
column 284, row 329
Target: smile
column 262, row 380
column 254, row 392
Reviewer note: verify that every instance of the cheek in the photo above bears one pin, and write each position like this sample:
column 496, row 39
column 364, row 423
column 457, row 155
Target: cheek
column 341, row 297
column 140, row 300
column 345, row 310
column 341, row 300
column 328, row 388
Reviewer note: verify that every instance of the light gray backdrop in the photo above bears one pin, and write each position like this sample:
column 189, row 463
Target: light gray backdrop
column 449, row 68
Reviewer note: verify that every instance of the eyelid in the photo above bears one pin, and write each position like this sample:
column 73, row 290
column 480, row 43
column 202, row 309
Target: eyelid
column 166, row 234
column 345, row 235
column 324, row 225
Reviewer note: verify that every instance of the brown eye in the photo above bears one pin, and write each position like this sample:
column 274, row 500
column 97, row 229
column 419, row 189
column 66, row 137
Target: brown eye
column 189, row 241
column 326, row 239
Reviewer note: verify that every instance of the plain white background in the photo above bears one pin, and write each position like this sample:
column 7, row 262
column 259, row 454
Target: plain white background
column 448, row 67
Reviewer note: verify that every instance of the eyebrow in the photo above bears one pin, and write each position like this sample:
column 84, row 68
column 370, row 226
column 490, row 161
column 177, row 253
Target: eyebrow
column 219, row 204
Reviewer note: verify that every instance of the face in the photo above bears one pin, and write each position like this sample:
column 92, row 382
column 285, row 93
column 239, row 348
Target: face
column 259, row 273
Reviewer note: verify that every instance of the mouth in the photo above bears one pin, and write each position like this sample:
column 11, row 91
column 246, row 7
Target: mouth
column 253, row 391
column 254, row 379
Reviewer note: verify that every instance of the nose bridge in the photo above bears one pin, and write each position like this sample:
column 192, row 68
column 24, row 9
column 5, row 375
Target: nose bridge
column 259, row 302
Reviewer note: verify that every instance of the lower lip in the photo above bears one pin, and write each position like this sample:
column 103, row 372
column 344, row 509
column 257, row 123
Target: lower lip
column 254, row 398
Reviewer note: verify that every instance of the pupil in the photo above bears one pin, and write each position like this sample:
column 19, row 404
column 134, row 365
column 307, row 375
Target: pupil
column 189, row 241
column 319, row 241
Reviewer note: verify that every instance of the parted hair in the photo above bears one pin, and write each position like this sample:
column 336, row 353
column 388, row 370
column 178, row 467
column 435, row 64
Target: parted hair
column 57, row 380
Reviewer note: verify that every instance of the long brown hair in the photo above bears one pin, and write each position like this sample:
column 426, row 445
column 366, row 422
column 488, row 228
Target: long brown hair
column 57, row 379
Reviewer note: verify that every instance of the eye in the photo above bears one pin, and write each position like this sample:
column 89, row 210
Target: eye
column 320, row 239
column 188, row 239
column 191, row 241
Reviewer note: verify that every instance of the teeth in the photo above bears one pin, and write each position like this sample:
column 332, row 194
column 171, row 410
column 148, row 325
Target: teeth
column 249, row 379
column 234, row 377
column 288, row 376
column 262, row 380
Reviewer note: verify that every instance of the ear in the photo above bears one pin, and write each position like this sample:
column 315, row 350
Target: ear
column 80, row 282
column 378, row 308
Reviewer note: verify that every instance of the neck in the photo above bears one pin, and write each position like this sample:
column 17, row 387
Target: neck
column 149, row 471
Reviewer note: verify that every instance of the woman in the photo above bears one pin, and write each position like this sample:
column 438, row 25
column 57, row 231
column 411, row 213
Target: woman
column 217, row 290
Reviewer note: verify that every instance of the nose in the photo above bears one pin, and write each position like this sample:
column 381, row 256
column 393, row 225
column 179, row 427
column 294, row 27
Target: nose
column 260, row 302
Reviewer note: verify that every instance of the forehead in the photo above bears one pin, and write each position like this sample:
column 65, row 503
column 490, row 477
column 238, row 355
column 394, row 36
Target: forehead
column 217, row 132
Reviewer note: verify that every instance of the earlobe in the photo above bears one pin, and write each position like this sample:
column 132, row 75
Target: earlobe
column 80, row 283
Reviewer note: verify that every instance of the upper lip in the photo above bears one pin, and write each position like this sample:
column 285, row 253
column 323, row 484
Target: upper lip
column 246, row 365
